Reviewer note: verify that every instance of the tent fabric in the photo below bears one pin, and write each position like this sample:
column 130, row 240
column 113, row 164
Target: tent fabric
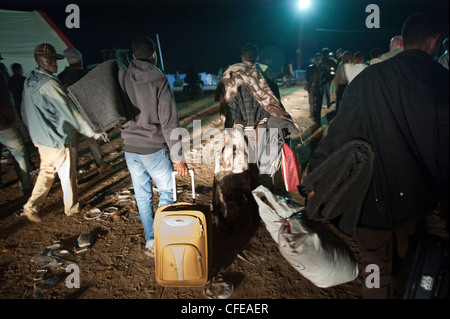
column 22, row 31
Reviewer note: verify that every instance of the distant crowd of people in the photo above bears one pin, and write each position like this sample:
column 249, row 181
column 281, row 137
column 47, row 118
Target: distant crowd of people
column 329, row 72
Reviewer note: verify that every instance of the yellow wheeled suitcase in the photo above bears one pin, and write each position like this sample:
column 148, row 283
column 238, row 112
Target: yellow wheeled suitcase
column 182, row 242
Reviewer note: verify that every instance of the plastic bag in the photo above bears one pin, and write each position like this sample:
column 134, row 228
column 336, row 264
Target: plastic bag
column 310, row 247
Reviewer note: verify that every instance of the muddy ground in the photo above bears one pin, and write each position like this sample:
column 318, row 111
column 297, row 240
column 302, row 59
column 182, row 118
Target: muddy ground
column 115, row 267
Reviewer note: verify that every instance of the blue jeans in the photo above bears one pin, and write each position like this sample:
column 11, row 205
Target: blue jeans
column 13, row 141
column 144, row 169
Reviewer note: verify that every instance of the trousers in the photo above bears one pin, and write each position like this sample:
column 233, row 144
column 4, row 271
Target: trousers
column 55, row 161
column 377, row 247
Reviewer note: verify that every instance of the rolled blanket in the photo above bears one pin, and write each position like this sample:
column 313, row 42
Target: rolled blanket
column 101, row 98
column 247, row 74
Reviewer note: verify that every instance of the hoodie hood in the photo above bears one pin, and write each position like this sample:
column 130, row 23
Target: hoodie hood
column 149, row 91
column 142, row 72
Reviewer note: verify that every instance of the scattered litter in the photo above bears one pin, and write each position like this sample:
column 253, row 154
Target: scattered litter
column 244, row 259
column 49, row 250
column 45, row 285
column 109, row 211
column 196, row 194
column 55, row 246
column 52, row 262
column 81, row 250
column 85, row 240
column 19, row 213
column 93, row 213
column 219, row 290
column 47, row 262
column 124, row 194
column 40, row 274
column 96, row 213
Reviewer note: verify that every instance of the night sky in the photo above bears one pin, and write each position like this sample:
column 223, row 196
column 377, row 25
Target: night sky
column 211, row 33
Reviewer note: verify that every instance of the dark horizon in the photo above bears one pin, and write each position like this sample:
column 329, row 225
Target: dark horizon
column 211, row 33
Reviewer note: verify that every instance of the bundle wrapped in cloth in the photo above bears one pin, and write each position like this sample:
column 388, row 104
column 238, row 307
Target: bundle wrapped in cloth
column 101, row 97
column 309, row 246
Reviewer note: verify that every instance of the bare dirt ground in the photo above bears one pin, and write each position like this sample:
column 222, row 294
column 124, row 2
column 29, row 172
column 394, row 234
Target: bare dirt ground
column 114, row 266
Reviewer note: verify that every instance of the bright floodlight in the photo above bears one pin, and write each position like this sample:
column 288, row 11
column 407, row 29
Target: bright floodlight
column 303, row 4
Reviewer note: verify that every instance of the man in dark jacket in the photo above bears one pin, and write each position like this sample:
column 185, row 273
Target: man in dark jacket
column 400, row 107
column 316, row 76
column 147, row 139
column 16, row 82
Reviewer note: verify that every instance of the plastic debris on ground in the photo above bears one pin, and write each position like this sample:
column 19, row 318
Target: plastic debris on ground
column 219, row 290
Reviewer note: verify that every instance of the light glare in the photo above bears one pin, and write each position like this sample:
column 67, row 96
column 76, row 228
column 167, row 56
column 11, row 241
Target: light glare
column 303, row 4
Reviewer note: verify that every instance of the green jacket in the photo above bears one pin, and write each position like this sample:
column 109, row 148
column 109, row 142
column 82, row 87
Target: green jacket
column 48, row 111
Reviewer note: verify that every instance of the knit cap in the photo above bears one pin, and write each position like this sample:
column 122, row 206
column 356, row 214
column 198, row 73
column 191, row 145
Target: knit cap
column 72, row 55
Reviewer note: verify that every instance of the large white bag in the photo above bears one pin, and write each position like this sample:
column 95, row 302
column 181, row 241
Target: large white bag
column 309, row 246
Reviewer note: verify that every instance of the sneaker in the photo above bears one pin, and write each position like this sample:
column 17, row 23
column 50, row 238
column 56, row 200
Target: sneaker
column 72, row 211
column 34, row 217
column 150, row 249
column 149, row 252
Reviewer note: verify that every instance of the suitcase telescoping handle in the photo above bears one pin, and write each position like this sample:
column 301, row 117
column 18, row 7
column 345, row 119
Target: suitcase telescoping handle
column 191, row 172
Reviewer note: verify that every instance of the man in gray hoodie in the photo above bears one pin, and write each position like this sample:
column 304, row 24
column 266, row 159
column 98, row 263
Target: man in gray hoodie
column 147, row 138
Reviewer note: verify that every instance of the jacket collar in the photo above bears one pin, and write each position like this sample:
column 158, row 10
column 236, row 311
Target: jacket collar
column 51, row 75
column 415, row 53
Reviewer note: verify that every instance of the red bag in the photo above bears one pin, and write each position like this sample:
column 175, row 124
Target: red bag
column 290, row 169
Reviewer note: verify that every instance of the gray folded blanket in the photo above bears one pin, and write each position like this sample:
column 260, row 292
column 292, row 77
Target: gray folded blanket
column 101, row 98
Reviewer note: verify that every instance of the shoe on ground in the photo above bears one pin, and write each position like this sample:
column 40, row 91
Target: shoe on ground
column 150, row 252
column 34, row 217
column 150, row 248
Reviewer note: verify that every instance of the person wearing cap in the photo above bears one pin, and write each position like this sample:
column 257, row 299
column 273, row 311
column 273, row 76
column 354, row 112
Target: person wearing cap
column 71, row 74
column 48, row 112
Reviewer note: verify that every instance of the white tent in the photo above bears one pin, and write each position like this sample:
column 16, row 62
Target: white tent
column 22, row 31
